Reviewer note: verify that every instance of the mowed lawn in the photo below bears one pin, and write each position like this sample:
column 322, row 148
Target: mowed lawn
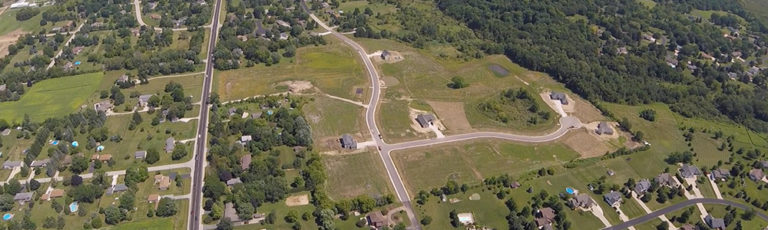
column 9, row 23
column 470, row 163
column 333, row 68
column 52, row 97
column 488, row 211
column 351, row 175
column 331, row 118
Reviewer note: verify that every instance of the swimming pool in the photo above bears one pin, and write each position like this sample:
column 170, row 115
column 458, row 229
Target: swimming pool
column 100, row 148
column 73, row 207
column 77, row 63
column 54, row 142
column 569, row 190
column 74, row 144
column 7, row 216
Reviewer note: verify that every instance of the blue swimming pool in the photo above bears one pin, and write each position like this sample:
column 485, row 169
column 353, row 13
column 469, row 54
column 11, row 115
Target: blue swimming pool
column 100, row 148
column 55, row 142
column 73, row 207
column 74, row 144
column 77, row 63
column 569, row 190
column 7, row 216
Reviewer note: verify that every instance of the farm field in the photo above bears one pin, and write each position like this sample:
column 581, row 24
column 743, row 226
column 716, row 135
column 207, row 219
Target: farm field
column 52, row 97
column 334, row 68
column 351, row 175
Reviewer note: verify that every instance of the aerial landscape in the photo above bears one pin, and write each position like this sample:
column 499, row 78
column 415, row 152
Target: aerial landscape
column 383, row 114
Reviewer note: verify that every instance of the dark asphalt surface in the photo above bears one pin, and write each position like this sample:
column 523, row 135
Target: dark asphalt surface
column 202, row 127
column 677, row 206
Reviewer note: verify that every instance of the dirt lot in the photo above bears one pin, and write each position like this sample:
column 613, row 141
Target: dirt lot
column 9, row 39
column 297, row 200
column 452, row 114
column 586, row 144
column 297, row 86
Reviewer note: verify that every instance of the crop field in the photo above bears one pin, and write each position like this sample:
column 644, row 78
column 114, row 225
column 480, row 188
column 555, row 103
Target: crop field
column 335, row 69
column 51, row 98
column 469, row 163
column 351, row 175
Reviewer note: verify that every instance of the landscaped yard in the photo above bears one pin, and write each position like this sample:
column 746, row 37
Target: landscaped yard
column 51, row 98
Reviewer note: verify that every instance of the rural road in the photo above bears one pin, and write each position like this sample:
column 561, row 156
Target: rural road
column 198, row 170
column 677, row 206
column 53, row 60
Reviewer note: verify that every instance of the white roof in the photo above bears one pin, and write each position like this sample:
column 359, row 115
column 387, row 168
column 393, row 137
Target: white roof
column 466, row 218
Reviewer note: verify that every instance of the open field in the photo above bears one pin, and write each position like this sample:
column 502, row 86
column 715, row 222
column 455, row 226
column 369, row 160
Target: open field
column 9, row 23
column 488, row 211
column 334, row 68
column 51, row 98
column 351, row 175
column 423, row 169
column 331, row 118
column 280, row 210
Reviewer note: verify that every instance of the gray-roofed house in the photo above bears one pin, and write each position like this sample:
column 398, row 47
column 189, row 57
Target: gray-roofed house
column 642, row 186
column 144, row 100
column 385, row 54
column 581, row 201
column 283, row 23
column 377, row 220
column 604, row 128
column 689, row 171
column 245, row 162
column 544, row 217
column 23, row 197
column 140, row 154
column 720, row 174
column 234, row 181
column 756, row 174
column 613, row 198
column 425, row 120
column 284, row 36
column 559, row 96
column 348, row 142
column 170, row 144
column 103, row 106
column 117, row 188
column 11, row 164
column 715, row 223
column 40, row 163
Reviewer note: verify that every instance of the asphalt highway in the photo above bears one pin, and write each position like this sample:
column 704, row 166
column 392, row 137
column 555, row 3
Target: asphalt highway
column 677, row 206
column 202, row 128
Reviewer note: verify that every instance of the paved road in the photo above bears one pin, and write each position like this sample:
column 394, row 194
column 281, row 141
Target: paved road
column 678, row 206
column 53, row 60
column 198, row 170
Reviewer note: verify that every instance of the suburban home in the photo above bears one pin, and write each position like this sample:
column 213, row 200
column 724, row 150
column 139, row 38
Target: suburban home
column 385, row 54
column 144, row 100
column 284, row 36
column 715, row 223
column 23, row 197
column 559, row 97
column 283, row 23
column 40, row 163
column 246, row 138
column 170, row 144
column 756, row 174
column 77, row 50
column 162, row 182
column 604, row 128
column 102, row 157
column 613, row 198
column 377, row 220
column 55, row 193
column 544, row 217
column 234, row 181
column 687, row 227
column 153, row 199
column 466, row 218
column 117, row 188
column 689, row 171
column 425, row 120
column 642, row 186
column 11, row 164
column 348, row 142
column 103, row 106
column 720, row 174
column 140, row 154
column 581, row 201
column 245, row 162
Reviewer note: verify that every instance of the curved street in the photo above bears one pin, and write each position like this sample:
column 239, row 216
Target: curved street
column 677, row 206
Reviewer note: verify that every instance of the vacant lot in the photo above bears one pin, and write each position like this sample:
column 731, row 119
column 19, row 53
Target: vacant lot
column 356, row 174
column 471, row 162
column 330, row 118
column 52, row 97
column 334, row 69
column 9, row 23
column 488, row 211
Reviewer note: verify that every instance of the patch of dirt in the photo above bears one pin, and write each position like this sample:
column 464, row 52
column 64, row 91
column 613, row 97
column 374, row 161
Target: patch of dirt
column 592, row 126
column 586, row 144
column 452, row 113
column 8, row 40
column 297, row 86
column 298, row 200
column 585, row 111
column 391, row 57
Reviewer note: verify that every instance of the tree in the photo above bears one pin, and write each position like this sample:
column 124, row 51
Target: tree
column 13, row 187
column 96, row 223
column 34, row 185
column 49, row 222
column 648, row 114
column 179, row 152
column 136, row 174
column 224, row 224
column 27, row 224
column 86, row 193
column 113, row 215
column 292, row 216
column 79, row 164
column 426, row 220
column 76, row 180
column 152, row 156
column 6, row 202
column 458, row 83
column 127, row 201
column 166, row 207
column 325, row 219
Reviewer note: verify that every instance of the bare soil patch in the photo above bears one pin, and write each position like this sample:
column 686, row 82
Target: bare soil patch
column 585, row 111
column 297, row 200
column 452, row 114
column 391, row 57
column 586, row 144
column 413, row 113
column 296, row 86
column 8, row 40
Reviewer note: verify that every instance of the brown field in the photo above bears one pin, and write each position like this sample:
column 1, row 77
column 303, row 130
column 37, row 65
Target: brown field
column 9, row 39
column 586, row 144
column 451, row 114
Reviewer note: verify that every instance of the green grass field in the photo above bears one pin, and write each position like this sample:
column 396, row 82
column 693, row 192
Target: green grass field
column 8, row 22
column 334, row 68
column 394, row 122
column 330, row 118
column 488, row 211
column 356, row 174
column 471, row 162
column 632, row 209
column 50, row 98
